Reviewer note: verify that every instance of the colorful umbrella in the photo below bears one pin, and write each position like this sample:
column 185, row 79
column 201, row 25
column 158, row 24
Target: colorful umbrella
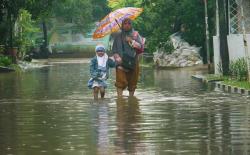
column 111, row 23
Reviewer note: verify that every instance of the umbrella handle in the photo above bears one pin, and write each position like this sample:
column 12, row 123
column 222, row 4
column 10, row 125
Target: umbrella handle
column 118, row 23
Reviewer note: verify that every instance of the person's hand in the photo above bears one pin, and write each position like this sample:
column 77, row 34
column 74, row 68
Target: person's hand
column 112, row 58
column 117, row 58
column 129, row 39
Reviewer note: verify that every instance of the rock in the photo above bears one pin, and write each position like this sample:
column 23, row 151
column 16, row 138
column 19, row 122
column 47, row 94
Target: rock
column 183, row 55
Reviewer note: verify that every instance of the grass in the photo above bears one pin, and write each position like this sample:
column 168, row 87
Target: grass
column 227, row 81
column 16, row 67
column 239, row 84
column 212, row 77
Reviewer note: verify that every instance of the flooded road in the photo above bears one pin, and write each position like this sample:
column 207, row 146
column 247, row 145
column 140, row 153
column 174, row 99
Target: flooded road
column 51, row 111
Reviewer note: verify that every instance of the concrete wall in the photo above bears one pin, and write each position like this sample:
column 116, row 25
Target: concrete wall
column 236, row 48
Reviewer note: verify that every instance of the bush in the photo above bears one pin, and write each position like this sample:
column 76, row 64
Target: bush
column 238, row 69
column 5, row 61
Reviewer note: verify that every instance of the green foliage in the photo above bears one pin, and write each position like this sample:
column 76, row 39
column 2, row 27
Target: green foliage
column 16, row 67
column 40, row 9
column 161, row 18
column 156, row 25
column 3, row 32
column 100, row 9
column 81, row 13
column 213, row 77
column 26, row 31
column 9, row 10
column 115, row 4
column 2, row 49
column 166, row 47
column 190, row 14
column 238, row 69
column 5, row 61
column 78, row 12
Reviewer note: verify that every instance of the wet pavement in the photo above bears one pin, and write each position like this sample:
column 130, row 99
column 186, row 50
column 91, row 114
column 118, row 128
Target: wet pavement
column 50, row 110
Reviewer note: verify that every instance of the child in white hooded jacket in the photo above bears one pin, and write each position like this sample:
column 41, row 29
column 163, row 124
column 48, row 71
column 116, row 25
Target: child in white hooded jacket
column 99, row 71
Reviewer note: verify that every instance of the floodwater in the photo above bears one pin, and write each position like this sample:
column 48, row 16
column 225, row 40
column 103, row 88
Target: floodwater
column 51, row 111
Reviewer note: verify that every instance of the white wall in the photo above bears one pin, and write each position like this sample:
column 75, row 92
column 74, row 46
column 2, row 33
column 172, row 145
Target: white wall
column 235, row 46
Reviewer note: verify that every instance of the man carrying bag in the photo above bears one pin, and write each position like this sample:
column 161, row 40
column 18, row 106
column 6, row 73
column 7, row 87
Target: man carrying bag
column 125, row 47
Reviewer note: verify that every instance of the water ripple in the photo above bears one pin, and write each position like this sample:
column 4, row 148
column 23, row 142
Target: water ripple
column 51, row 111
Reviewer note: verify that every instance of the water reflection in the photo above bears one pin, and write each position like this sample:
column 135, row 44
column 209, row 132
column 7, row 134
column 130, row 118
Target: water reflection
column 128, row 128
column 176, row 80
column 100, row 125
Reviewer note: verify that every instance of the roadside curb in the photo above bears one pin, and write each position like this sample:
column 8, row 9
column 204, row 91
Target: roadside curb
column 6, row 69
column 232, row 89
column 200, row 78
column 221, row 86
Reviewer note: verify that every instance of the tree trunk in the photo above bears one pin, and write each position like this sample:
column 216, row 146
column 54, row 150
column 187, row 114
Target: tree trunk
column 10, row 41
column 45, row 51
column 223, row 19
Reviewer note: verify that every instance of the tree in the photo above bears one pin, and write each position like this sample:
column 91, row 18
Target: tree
column 11, row 9
column 223, row 16
column 100, row 9
column 42, row 10
column 161, row 18
column 26, row 30
column 78, row 12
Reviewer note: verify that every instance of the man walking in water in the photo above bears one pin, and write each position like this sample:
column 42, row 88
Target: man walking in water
column 125, row 45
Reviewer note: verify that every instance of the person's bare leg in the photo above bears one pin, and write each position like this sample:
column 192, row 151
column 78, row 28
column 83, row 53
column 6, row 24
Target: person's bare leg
column 95, row 92
column 102, row 91
column 131, row 93
column 119, row 92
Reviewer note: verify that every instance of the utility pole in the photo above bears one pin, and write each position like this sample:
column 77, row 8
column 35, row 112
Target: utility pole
column 245, row 38
column 216, row 45
column 207, row 37
column 217, row 19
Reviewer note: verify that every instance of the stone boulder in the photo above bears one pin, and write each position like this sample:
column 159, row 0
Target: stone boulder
column 184, row 55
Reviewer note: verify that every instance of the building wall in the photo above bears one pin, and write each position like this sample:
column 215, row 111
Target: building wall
column 236, row 46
